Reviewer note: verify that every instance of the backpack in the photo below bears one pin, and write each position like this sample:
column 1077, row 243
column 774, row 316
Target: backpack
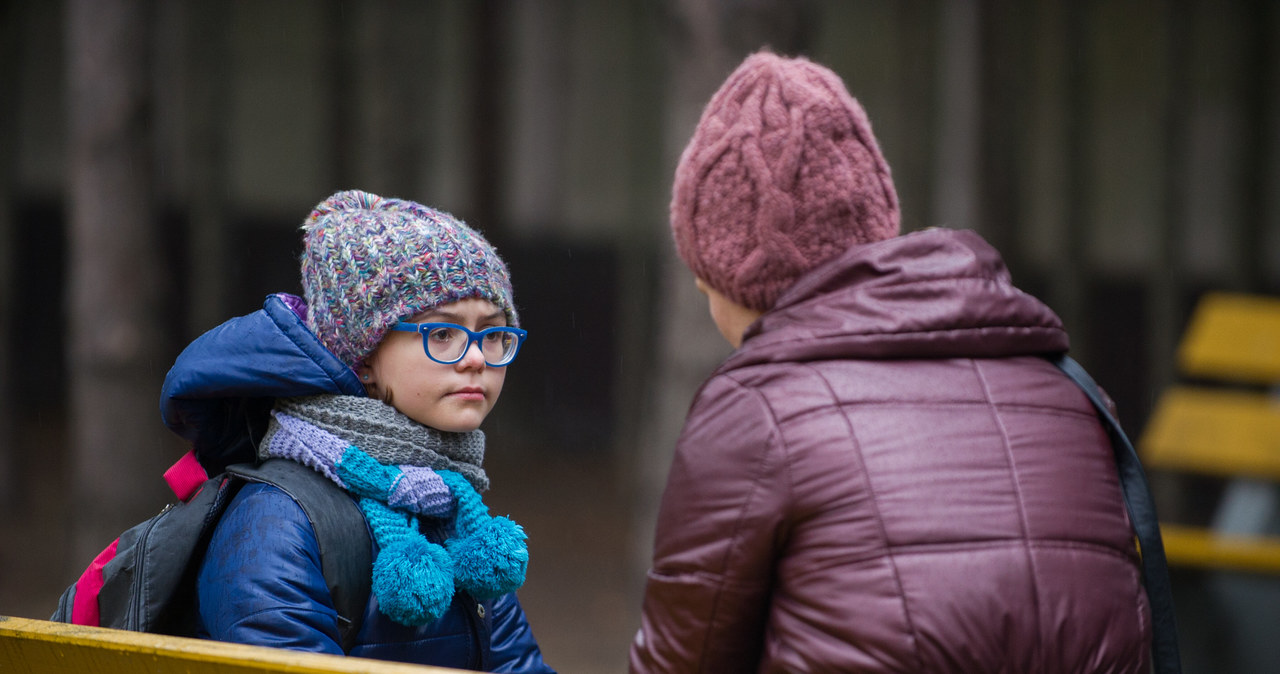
column 145, row 580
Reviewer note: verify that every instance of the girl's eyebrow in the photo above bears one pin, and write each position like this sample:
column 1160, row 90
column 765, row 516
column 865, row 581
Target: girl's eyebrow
column 455, row 318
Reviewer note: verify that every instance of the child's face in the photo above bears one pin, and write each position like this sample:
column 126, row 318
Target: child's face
column 455, row 397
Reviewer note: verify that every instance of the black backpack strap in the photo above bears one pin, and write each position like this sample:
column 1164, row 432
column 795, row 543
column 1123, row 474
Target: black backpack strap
column 343, row 537
column 1142, row 513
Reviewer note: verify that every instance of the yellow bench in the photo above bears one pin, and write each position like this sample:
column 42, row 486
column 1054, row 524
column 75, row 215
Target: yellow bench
column 1221, row 432
column 1233, row 337
column 39, row 647
column 1208, row 549
column 1213, row 432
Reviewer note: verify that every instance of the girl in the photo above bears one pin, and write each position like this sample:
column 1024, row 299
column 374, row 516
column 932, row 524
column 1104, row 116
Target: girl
column 378, row 381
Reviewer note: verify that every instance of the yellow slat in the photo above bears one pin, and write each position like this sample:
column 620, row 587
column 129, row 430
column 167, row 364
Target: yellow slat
column 1204, row 548
column 38, row 647
column 1233, row 337
column 1226, row 433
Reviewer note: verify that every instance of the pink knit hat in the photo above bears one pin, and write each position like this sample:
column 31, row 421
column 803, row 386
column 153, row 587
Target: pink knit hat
column 781, row 175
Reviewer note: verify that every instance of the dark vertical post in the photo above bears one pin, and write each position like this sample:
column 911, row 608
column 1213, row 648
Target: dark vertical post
column 114, row 281
column 1164, row 289
column 10, row 39
column 1071, row 275
column 488, row 123
column 207, row 222
column 339, row 70
column 1259, row 141
column 1003, row 120
column 954, row 155
column 393, row 74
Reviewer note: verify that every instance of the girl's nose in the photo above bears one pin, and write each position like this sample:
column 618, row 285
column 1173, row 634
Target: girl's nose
column 473, row 358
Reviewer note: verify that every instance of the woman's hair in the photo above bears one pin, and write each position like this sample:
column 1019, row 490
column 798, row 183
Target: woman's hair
column 371, row 261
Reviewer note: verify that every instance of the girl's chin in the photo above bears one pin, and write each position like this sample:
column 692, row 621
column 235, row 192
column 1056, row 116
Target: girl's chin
column 452, row 423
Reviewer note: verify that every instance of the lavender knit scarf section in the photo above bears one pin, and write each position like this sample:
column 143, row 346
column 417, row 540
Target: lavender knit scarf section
column 412, row 488
column 376, row 428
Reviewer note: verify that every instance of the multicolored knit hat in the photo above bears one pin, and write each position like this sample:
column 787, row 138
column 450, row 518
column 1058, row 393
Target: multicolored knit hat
column 371, row 261
column 781, row 175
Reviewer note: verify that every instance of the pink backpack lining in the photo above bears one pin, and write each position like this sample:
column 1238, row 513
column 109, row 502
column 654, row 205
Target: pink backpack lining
column 185, row 475
column 184, row 478
column 85, row 609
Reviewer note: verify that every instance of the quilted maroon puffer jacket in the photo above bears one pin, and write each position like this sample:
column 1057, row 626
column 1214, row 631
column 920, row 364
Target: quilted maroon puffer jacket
column 889, row 477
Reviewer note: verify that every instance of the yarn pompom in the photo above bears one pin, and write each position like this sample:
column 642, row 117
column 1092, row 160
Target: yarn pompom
column 413, row 581
column 492, row 559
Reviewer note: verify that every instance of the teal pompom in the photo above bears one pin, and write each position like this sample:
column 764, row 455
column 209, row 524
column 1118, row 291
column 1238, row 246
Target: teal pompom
column 492, row 560
column 413, row 581
column 489, row 554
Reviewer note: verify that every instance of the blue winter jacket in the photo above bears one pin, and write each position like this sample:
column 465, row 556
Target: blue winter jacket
column 260, row 582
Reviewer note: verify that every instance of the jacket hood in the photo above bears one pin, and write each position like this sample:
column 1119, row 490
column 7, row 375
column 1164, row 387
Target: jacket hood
column 937, row 293
column 221, row 388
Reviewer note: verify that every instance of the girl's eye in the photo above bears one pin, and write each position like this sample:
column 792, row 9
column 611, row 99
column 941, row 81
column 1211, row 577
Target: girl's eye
column 493, row 337
column 443, row 335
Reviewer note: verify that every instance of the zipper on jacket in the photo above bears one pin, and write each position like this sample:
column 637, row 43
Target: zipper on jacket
column 438, row 531
column 475, row 618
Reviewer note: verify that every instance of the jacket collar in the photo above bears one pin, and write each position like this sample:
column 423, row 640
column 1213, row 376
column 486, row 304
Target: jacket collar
column 937, row 293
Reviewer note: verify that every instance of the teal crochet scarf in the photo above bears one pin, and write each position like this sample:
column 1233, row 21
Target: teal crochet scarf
column 414, row 579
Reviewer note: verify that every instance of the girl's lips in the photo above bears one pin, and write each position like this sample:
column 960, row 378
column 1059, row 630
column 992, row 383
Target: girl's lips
column 470, row 393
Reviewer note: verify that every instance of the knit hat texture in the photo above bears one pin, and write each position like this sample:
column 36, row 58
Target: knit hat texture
column 781, row 175
column 371, row 261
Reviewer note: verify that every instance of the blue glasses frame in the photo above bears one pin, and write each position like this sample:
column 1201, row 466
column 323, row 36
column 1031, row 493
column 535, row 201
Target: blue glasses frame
column 472, row 338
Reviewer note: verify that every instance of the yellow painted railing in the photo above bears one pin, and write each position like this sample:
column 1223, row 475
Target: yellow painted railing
column 41, row 647
column 1233, row 337
column 1208, row 549
column 1214, row 430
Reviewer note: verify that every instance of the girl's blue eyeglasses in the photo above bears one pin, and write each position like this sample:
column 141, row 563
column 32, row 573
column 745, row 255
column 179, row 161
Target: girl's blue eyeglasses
column 448, row 343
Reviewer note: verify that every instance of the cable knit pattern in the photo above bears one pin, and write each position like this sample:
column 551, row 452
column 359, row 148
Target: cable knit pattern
column 781, row 175
column 389, row 436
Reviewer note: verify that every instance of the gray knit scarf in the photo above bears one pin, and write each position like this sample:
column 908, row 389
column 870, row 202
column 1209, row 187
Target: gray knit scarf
column 387, row 435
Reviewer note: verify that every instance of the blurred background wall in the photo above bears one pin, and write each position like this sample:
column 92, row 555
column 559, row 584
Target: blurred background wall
column 157, row 158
